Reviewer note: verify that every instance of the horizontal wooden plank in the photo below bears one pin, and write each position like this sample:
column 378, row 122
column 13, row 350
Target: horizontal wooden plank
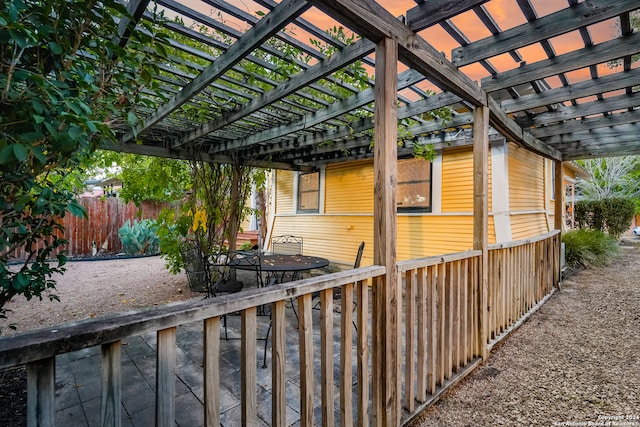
column 517, row 243
column 413, row 264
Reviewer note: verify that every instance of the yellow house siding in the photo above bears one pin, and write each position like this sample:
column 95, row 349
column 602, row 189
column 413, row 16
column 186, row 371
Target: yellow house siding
column 526, row 180
column 284, row 195
column 420, row 236
column 335, row 237
column 528, row 225
column 457, row 181
column 349, row 187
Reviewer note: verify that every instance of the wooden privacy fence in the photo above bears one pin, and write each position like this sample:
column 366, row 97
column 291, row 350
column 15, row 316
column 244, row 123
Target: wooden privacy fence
column 104, row 218
column 441, row 338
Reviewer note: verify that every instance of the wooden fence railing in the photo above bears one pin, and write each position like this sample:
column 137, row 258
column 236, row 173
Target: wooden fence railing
column 104, row 219
column 441, row 324
column 521, row 274
column 442, row 309
column 442, row 303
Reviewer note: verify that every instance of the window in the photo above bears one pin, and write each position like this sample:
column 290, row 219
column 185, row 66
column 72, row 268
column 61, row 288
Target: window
column 414, row 185
column 308, row 192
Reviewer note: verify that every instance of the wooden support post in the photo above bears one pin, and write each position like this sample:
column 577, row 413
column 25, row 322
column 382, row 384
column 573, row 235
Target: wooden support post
column 212, row 372
column 480, row 215
column 559, row 223
column 558, row 217
column 166, row 378
column 386, row 366
column 111, row 384
column 41, row 381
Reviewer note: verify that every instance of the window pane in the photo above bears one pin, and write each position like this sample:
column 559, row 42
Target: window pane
column 309, row 192
column 414, row 185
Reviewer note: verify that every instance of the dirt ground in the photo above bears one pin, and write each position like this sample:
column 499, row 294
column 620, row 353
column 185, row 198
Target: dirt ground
column 94, row 288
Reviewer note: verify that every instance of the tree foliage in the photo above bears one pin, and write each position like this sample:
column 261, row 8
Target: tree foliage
column 211, row 213
column 611, row 216
column 146, row 178
column 610, row 177
column 65, row 83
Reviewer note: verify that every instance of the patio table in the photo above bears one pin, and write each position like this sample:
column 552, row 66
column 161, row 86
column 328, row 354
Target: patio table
column 278, row 265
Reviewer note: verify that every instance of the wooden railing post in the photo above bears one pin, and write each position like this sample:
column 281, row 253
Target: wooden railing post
column 111, row 384
column 211, row 356
column 385, row 357
column 166, row 378
column 480, row 216
column 41, row 379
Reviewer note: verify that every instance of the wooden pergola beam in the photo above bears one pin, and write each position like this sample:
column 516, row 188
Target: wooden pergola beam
column 506, row 126
column 583, row 89
column 574, row 60
column 254, row 37
column 127, row 25
column 571, row 126
column 414, row 51
column 428, row 13
column 620, row 102
column 566, row 20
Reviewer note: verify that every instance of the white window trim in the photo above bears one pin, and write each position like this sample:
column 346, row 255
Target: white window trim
column 436, row 184
column 500, row 191
column 321, row 191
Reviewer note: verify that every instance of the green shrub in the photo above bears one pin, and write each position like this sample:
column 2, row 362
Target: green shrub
column 139, row 238
column 611, row 216
column 589, row 248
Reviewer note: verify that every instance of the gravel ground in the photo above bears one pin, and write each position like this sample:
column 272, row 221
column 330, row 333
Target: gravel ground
column 574, row 362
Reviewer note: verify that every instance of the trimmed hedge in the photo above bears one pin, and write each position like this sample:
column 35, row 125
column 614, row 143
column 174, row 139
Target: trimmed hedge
column 611, row 216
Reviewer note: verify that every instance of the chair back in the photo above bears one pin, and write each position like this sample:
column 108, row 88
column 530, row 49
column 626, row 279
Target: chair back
column 359, row 256
column 196, row 268
column 286, row 245
column 248, row 261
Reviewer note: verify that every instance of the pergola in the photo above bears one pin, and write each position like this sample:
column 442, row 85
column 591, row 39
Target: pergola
column 566, row 105
column 548, row 86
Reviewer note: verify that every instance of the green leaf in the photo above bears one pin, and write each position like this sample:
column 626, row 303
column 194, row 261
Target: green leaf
column 76, row 210
column 76, row 132
column 55, row 48
column 20, row 152
column 38, row 119
column 131, row 118
column 38, row 154
column 6, row 154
